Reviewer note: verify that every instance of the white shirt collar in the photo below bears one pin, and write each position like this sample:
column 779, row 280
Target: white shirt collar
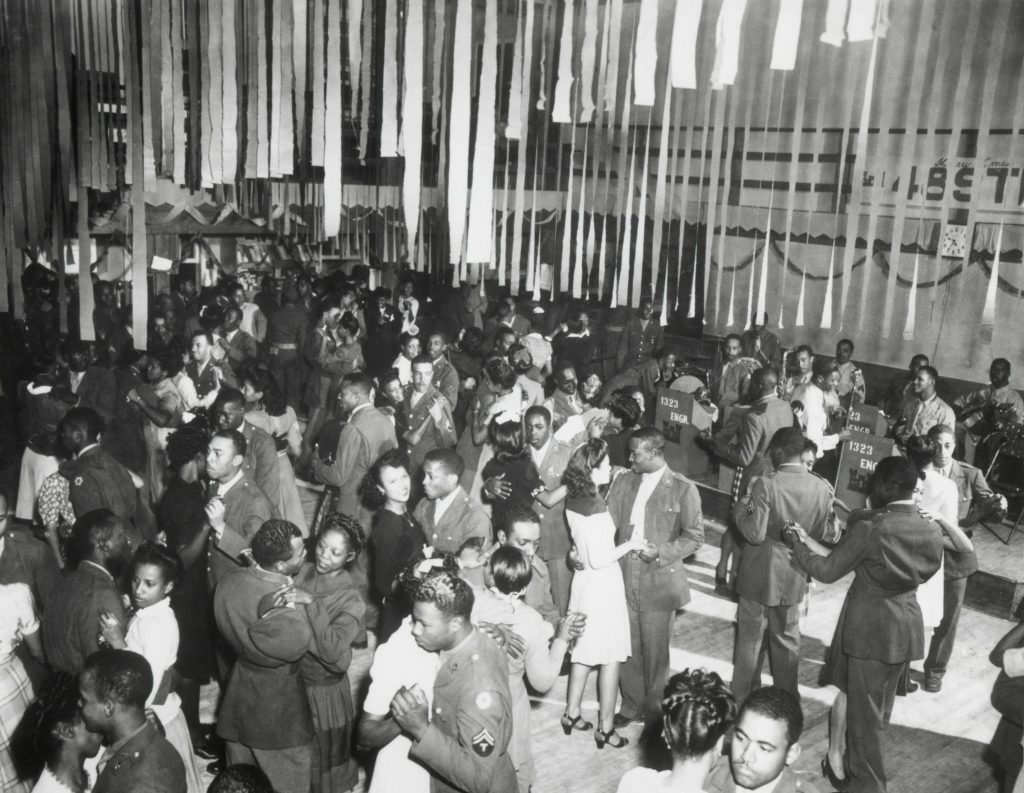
column 539, row 454
column 441, row 505
column 226, row 486
column 654, row 474
column 84, row 449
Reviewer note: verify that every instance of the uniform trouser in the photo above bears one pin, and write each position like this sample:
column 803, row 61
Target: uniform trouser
column 286, row 367
column 941, row 647
column 561, row 581
column 870, row 692
column 289, row 770
column 783, row 624
column 644, row 674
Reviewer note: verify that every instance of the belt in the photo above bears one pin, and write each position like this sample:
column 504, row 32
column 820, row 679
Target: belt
column 284, row 346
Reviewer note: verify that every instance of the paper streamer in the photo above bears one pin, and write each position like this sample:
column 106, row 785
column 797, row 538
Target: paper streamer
column 355, row 52
column 645, row 59
column 332, row 120
column 588, row 56
column 438, row 61
column 626, row 257
column 285, row 142
column 664, row 154
column 458, row 130
column 683, row 60
column 317, row 134
column 908, row 326
column 826, row 312
column 561, row 113
column 277, row 56
column 787, row 35
column 262, row 122
column 412, row 119
column 524, row 109
column 481, row 202
column 563, row 269
column 366, row 92
column 727, row 41
column 835, row 20
column 300, row 9
column 614, row 37
column 988, row 313
column 514, row 127
column 577, row 275
column 800, row 301
column 730, row 320
column 213, row 155
column 641, row 230
column 389, row 84
column 860, row 25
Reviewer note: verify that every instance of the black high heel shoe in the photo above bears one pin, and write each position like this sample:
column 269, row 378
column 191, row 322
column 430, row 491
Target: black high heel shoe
column 612, row 738
column 570, row 723
column 829, row 774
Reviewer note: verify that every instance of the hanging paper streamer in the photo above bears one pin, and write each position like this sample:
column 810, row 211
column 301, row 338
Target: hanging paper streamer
column 389, row 84
column 577, row 275
column 365, row 77
column 646, row 57
column 438, row 62
column 664, row 154
column 613, row 36
column 213, row 73
column 412, row 118
column 299, row 48
column 317, row 132
column 561, row 112
column 481, row 203
column 835, row 19
column 860, row 25
column 587, row 59
column 563, row 268
column 908, row 327
column 502, row 241
column 988, row 313
column 520, row 202
column 683, row 60
column 727, row 43
column 800, row 302
column 730, row 320
column 626, row 258
column 826, row 312
column 514, row 127
column 787, row 35
column 355, row 52
column 639, row 253
column 542, row 97
column 332, row 120
column 531, row 253
column 458, row 129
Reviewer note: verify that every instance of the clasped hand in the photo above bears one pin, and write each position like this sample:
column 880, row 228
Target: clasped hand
column 409, row 708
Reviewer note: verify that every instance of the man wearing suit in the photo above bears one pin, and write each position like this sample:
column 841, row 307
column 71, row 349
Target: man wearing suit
column 448, row 515
column 70, row 625
column 770, row 585
column 445, row 377
column 564, row 401
column 891, row 552
column 114, row 686
column 505, row 316
column 204, row 372
column 238, row 345
column 640, row 338
column 428, row 414
column 96, row 479
column 264, row 716
column 655, row 503
column 261, row 462
column 958, row 566
column 366, row 436
column 236, row 508
column 84, row 385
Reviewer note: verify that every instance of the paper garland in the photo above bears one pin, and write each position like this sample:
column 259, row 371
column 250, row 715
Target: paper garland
column 389, row 83
column 908, row 326
column 588, row 56
column 787, row 35
column 683, row 58
column 727, row 40
column 988, row 312
column 333, row 102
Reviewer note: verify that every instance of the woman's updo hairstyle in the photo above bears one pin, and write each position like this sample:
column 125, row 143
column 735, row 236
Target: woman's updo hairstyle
column 921, row 450
column 697, row 710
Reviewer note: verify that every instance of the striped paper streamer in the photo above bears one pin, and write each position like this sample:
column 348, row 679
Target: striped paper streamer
column 366, row 73
column 514, row 127
column 355, row 51
column 458, row 130
column 412, row 118
column 561, row 112
column 439, row 49
column 826, row 311
column 481, row 200
column 626, row 256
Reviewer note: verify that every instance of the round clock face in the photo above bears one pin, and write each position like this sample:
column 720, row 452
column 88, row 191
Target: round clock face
column 954, row 241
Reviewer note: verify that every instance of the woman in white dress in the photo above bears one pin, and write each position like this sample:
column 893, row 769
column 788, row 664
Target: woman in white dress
column 266, row 409
column 508, row 403
column 52, row 742
column 597, row 592
column 697, row 710
column 18, row 623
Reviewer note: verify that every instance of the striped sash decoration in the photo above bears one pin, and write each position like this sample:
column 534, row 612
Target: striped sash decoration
column 641, row 228
column 458, row 130
column 683, row 60
column 389, row 83
column 318, row 85
column 481, row 200
column 412, row 118
column 646, row 55
column 229, row 102
column 332, row 102
column 561, row 112
column 588, row 58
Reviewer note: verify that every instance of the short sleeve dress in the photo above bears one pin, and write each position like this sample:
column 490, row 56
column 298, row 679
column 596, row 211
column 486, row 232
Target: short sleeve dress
column 597, row 590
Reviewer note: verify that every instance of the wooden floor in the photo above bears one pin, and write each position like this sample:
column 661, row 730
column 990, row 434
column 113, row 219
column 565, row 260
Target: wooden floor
column 935, row 744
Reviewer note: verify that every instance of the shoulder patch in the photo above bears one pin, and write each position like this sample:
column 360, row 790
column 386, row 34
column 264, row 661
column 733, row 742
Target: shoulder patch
column 483, row 743
column 484, row 700
column 78, row 481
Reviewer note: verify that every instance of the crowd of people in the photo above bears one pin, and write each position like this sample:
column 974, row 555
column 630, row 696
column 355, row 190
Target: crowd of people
column 281, row 481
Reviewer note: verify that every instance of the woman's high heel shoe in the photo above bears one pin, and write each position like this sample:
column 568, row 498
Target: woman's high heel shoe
column 829, row 773
column 612, row 738
column 570, row 723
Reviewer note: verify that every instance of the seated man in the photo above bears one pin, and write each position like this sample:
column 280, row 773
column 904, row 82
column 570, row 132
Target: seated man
column 900, row 387
column 649, row 376
column 114, row 686
column 976, row 411
column 851, row 390
column 729, row 383
column 447, row 513
column 793, row 384
column 765, row 741
column 922, row 409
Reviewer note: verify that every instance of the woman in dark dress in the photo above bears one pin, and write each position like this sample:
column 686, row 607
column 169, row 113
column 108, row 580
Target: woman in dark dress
column 181, row 516
column 397, row 537
column 335, row 608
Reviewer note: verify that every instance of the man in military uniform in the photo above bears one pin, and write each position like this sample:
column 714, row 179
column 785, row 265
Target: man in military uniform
column 445, row 377
column 974, row 410
column 428, row 413
column 852, row 388
column 261, row 462
column 464, row 742
column 770, row 586
column 641, row 336
column 448, row 514
column 25, row 560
